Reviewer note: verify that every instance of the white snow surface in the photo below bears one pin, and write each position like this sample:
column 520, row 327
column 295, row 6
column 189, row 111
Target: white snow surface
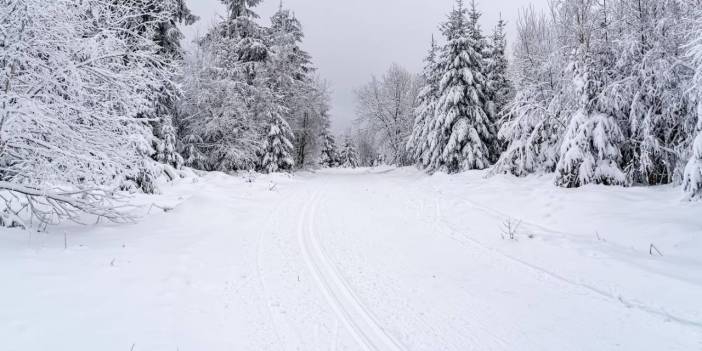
column 364, row 259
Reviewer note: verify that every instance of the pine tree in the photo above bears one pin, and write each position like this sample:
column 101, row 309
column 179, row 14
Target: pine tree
column 484, row 47
column 462, row 133
column 278, row 149
column 329, row 157
column 418, row 145
column 349, row 157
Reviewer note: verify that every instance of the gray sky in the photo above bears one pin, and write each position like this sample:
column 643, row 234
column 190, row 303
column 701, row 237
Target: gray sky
column 350, row 40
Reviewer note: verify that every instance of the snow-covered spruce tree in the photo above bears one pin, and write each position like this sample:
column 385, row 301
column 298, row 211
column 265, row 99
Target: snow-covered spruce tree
column 462, row 131
column 418, row 145
column 591, row 148
column 484, row 46
column 692, row 183
column 278, row 148
column 349, row 157
column 228, row 97
column 499, row 87
column 532, row 127
column 73, row 83
column 329, row 157
column 168, row 37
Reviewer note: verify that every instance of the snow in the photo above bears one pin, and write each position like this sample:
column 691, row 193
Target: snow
column 364, row 259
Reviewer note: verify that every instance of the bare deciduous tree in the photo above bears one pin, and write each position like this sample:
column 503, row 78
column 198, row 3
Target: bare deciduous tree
column 385, row 108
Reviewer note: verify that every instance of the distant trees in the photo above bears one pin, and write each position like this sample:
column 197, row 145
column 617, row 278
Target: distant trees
column 329, row 155
column 348, row 158
column 385, row 108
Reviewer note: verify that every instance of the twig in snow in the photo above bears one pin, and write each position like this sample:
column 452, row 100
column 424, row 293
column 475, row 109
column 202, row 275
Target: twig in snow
column 651, row 250
column 162, row 208
column 510, row 227
column 599, row 238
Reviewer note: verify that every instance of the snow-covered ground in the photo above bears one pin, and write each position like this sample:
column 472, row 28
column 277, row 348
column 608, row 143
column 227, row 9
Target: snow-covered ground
column 364, row 259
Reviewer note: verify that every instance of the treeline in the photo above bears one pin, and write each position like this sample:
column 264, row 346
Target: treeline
column 604, row 92
column 98, row 97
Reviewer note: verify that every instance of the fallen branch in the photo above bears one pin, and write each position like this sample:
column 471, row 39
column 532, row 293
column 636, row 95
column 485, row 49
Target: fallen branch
column 55, row 205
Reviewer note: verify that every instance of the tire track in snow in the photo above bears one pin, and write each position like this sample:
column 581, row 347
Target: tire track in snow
column 356, row 318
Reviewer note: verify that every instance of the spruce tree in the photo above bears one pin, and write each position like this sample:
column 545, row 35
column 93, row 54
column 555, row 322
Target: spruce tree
column 462, row 132
column 168, row 37
column 418, row 145
column 329, row 157
column 277, row 148
column 498, row 85
column 590, row 152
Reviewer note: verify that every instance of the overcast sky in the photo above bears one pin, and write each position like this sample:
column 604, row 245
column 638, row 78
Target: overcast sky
column 351, row 40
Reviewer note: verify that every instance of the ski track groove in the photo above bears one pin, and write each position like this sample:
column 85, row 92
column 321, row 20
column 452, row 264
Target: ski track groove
column 346, row 305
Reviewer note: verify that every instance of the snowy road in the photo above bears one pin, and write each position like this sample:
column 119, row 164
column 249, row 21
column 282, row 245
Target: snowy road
column 364, row 260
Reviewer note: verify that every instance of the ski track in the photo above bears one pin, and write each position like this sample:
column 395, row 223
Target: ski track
column 467, row 240
column 356, row 318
